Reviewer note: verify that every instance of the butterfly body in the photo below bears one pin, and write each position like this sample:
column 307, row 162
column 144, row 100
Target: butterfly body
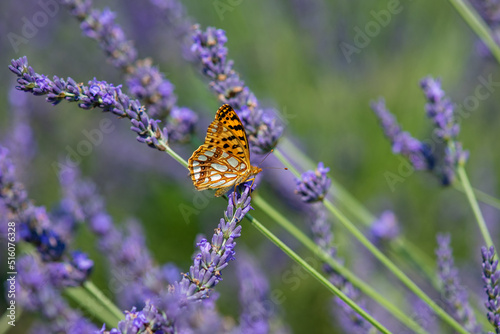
column 223, row 161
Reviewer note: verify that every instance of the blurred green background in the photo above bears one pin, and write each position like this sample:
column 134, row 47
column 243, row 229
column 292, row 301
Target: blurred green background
column 289, row 55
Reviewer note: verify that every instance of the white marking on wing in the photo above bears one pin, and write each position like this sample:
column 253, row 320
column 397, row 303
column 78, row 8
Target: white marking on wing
column 219, row 167
column 209, row 153
column 195, row 163
column 230, row 175
column 233, row 162
column 197, row 169
column 215, row 177
column 225, row 155
column 196, row 176
column 221, row 182
column 243, row 166
column 202, row 158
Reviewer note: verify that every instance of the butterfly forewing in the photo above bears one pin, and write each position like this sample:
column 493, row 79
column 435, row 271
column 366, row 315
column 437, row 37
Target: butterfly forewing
column 223, row 160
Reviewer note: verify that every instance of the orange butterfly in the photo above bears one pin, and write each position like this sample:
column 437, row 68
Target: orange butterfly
column 223, row 161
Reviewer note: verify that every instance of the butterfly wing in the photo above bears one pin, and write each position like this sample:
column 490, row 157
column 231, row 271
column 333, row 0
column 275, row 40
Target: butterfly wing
column 223, row 160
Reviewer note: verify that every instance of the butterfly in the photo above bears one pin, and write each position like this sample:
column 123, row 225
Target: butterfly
column 223, row 161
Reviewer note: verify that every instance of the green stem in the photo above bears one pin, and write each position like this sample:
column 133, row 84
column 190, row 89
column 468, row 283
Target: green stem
column 314, row 273
column 94, row 307
column 355, row 281
column 392, row 267
column 97, row 294
column 474, row 205
column 419, row 258
column 477, row 25
column 480, row 195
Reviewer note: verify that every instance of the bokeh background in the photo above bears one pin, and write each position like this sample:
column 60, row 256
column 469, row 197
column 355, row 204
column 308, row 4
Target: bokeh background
column 288, row 53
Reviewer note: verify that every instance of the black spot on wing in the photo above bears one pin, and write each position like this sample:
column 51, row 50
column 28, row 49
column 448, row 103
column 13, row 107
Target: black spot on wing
column 226, row 145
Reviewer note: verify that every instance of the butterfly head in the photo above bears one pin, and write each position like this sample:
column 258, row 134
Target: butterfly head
column 255, row 170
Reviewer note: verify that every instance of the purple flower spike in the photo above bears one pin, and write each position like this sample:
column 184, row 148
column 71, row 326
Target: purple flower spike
column 262, row 127
column 386, row 227
column 97, row 94
column 455, row 295
column 215, row 256
column 403, row 143
column 441, row 111
column 313, row 185
column 491, row 279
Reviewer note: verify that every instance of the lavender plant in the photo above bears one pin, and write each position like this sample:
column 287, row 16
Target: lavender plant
column 163, row 302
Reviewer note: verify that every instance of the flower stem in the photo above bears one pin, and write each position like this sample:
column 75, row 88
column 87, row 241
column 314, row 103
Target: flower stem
column 97, row 294
column 477, row 25
column 392, row 267
column 480, row 195
column 342, row 270
column 382, row 258
column 413, row 253
column 93, row 306
column 313, row 272
column 474, row 205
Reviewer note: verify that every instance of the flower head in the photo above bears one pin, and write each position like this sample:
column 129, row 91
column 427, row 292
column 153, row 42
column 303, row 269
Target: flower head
column 386, row 227
column 403, row 143
column 313, row 185
column 491, row 279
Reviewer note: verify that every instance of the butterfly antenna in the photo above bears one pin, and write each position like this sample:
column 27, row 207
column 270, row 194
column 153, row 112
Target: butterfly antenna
column 265, row 157
column 270, row 167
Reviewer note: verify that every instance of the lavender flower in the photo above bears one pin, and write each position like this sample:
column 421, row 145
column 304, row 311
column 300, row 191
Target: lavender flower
column 215, row 256
column 491, row 279
column 37, row 293
column 145, row 81
column 441, row 111
column 455, row 296
column 386, row 227
column 262, row 127
column 98, row 94
column 313, row 185
column 403, row 143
